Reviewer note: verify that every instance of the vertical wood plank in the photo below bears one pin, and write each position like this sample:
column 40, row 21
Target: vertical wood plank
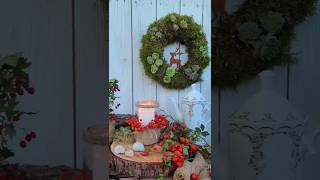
column 205, row 86
column 231, row 101
column 191, row 8
column 91, row 69
column 304, row 83
column 163, row 8
column 120, row 51
column 42, row 31
column 143, row 14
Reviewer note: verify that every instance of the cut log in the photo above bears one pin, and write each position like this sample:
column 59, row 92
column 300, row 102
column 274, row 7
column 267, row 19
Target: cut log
column 139, row 166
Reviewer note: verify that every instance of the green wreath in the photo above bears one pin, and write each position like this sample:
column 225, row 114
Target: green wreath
column 255, row 38
column 167, row 30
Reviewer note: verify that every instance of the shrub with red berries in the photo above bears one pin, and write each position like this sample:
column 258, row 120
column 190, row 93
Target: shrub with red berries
column 113, row 89
column 180, row 143
column 14, row 82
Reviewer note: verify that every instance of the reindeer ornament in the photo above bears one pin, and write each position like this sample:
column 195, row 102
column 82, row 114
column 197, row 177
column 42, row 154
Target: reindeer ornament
column 173, row 55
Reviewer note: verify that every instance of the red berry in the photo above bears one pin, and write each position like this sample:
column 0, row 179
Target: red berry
column 166, row 136
column 30, row 90
column 23, row 144
column 28, row 138
column 144, row 153
column 33, row 135
column 64, row 173
column 183, row 125
column 161, row 143
column 194, row 176
column 194, row 148
column 182, row 139
column 179, row 164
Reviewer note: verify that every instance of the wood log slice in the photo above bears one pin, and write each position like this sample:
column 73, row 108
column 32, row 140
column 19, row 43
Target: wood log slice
column 99, row 134
column 139, row 166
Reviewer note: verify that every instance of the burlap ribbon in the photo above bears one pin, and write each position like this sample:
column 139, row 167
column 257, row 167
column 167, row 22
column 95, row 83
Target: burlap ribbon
column 198, row 165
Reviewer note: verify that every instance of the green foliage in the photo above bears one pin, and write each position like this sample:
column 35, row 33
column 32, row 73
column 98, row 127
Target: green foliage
column 254, row 38
column 14, row 82
column 167, row 30
column 113, row 89
column 124, row 135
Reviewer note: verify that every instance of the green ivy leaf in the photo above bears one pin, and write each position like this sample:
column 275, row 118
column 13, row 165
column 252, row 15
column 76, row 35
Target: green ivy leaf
column 150, row 60
column 202, row 127
column 205, row 133
column 185, row 150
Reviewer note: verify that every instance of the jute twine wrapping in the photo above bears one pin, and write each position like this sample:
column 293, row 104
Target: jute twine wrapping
column 198, row 165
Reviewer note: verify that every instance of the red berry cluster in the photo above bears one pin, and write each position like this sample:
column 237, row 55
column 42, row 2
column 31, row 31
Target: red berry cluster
column 28, row 138
column 159, row 121
column 19, row 87
column 194, row 176
column 177, row 140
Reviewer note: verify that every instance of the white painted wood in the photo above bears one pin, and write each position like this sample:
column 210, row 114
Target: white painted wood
column 42, row 30
column 120, row 51
column 231, row 100
column 191, row 8
column 90, row 68
column 143, row 14
column 163, row 8
column 304, row 83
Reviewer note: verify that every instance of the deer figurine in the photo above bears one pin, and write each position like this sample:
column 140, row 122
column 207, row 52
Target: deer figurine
column 173, row 60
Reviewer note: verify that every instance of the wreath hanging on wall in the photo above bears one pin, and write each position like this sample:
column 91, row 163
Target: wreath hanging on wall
column 254, row 38
column 169, row 29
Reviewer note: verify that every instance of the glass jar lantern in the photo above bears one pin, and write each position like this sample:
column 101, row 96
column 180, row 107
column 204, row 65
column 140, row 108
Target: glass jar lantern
column 146, row 110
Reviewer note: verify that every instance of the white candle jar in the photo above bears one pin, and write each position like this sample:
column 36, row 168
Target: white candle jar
column 146, row 111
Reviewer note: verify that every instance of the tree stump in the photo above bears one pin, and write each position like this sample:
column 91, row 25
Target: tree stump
column 139, row 166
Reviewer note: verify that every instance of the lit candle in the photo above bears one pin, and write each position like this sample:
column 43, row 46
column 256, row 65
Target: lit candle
column 146, row 110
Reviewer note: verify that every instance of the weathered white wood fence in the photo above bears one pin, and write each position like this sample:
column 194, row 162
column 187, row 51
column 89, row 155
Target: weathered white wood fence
column 128, row 21
column 43, row 31
column 299, row 82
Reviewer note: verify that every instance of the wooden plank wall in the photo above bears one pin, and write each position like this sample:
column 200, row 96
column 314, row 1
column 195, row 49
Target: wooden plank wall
column 299, row 83
column 42, row 30
column 129, row 20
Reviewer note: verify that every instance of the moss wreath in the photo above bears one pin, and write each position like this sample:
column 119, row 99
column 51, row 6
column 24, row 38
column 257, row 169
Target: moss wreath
column 254, row 38
column 169, row 29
